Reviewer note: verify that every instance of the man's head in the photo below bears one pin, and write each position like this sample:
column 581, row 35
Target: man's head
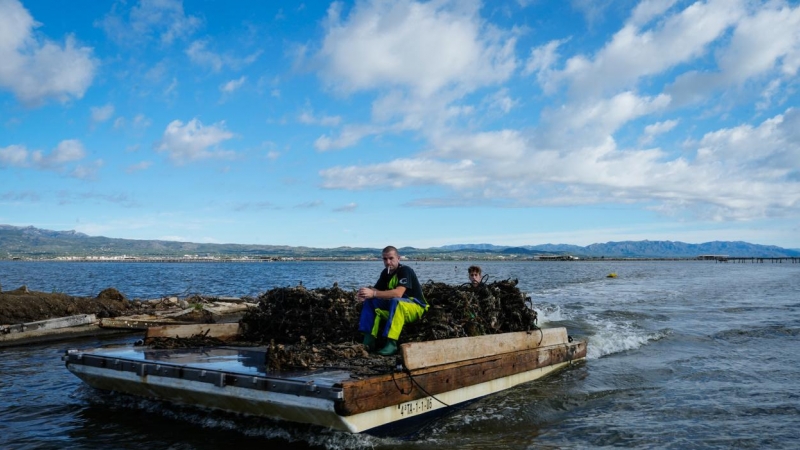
column 391, row 259
column 474, row 275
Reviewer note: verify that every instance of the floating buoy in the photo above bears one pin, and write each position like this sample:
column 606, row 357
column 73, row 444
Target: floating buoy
column 612, row 275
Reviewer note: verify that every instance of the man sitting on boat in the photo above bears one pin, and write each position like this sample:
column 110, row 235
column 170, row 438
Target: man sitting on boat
column 396, row 298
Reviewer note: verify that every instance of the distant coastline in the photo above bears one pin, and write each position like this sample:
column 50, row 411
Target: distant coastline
column 113, row 259
column 30, row 243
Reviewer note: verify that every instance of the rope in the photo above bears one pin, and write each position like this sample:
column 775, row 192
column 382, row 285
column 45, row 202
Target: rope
column 398, row 387
column 411, row 377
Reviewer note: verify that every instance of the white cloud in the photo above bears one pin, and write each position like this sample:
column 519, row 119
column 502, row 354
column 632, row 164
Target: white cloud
column 308, row 118
column 502, row 101
column 653, row 130
column 766, row 43
column 87, row 171
column 232, row 85
column 542, row 62
column 102, row 113
column 402, row 173
column 163, row 19
column 138, row 123
column 193, row 141
column 36, row 69
column 199, row 54
column 635, row 52
column 595, row 120
column 310, row 204
column 13, row 156
column 60, row 159
column 503, row 144
column 346, row 208
column 141, row 121
column 424, row 47
column 421, row 58
column 348, row 136
column 739, row 173
column 648, row 10
column 571, row 156
column 66, row 152
column 142, row 165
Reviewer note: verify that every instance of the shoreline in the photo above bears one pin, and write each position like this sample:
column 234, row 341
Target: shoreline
column 566, row 258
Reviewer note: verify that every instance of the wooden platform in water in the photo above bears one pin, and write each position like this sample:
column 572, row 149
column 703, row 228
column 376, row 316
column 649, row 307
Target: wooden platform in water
column 432, row 376
column 83, row 325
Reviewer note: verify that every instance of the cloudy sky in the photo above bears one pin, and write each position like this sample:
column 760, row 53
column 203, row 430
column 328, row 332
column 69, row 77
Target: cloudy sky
column 376, row 122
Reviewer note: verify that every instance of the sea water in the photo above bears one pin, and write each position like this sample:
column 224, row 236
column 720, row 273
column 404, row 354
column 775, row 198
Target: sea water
column 681, row 354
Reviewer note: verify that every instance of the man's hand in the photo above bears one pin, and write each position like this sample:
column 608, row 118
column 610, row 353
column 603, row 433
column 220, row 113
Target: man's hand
column 365, row 293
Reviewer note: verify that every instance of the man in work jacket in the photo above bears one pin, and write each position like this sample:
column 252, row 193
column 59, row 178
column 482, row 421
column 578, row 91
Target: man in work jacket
column 396, row 297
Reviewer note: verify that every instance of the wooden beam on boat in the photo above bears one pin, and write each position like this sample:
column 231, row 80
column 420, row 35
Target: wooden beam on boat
column 50, row 324
column 57, row 334
column 392, row 389
column 173, row 313
column 417, row 355
column 137, row 324
column 229, row 308
column 223, row 331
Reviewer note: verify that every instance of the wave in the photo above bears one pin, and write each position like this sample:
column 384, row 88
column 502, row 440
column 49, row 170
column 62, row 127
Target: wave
column 744, row 334
column 609, row 338
column 549, row 313
column 607, row 332
column 264, row 430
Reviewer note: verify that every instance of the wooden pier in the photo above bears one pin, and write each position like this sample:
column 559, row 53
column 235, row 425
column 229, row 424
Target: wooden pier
column 756, row 259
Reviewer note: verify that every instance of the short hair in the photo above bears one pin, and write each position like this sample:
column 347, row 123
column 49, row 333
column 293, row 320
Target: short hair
column 390, row 248
column 474, row 269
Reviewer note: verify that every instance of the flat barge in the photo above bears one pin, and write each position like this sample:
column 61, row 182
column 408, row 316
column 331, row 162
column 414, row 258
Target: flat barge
column 429, row 377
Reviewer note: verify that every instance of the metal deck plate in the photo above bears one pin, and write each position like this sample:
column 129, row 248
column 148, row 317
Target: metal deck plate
column 222, row 366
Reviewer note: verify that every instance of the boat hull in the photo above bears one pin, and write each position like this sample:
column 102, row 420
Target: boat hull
column 234, row 379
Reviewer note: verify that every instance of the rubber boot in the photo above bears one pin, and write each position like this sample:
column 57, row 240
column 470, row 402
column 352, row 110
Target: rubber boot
column 369, row 342
column 390, row 348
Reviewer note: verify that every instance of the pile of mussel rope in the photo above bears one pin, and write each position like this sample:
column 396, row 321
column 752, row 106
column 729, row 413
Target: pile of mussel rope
column 312, row 328
column 330, row 315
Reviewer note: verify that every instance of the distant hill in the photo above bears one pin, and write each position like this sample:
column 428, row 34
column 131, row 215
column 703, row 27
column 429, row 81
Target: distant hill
column 31, row 242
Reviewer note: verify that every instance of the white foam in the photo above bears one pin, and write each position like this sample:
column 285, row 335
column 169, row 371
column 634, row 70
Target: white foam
column 618, row 337
column 549, row 313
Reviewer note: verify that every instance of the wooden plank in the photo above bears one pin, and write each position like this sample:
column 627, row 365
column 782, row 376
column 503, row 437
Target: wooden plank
column 224, row 331
column 58, row 334
column 137, row 324
column 392, row 389
column 171, row 313
column 230, row 300
column 50, row 324
column 221, row 309
column 444, row 351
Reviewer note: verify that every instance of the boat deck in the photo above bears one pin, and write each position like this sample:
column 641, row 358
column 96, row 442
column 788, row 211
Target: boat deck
column 243, row 367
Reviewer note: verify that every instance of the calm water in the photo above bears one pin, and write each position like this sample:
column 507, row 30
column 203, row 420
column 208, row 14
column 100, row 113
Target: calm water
column 681, row 355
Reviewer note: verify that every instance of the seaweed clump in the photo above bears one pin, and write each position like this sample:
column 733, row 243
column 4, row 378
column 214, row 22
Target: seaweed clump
column 461, row 311
column 193, row 341
column 313, row 328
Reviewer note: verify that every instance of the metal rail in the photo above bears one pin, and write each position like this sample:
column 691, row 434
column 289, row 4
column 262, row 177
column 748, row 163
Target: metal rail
column 215, row 377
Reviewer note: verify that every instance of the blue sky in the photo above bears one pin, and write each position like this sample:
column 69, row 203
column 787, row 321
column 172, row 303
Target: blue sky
column 408, row 123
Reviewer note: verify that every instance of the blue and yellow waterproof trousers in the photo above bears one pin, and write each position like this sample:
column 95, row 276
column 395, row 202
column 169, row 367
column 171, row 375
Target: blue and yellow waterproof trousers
column 395, row 311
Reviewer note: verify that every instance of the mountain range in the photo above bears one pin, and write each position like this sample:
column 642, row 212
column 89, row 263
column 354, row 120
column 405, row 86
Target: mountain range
column 31, row 242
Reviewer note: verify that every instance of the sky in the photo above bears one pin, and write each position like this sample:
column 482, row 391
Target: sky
column 406, row 123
